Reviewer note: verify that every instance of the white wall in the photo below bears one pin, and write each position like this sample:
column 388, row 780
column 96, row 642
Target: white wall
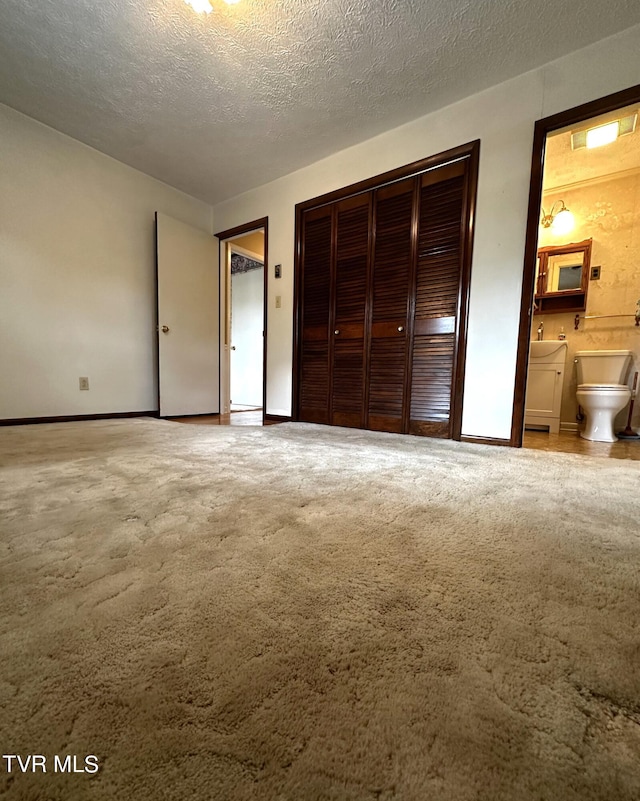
column 77, row 274
column 503, row 119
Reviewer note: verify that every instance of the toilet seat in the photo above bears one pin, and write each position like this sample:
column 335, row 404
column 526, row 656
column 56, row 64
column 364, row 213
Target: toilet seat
column 601, row 387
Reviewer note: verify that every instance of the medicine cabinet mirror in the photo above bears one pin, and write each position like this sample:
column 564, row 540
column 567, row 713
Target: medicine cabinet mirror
column 562, row 278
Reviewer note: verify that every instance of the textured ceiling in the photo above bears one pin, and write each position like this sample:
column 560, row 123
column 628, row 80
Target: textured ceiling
column 219, row 103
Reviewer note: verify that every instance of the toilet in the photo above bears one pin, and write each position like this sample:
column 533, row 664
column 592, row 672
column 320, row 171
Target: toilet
column 602, row 392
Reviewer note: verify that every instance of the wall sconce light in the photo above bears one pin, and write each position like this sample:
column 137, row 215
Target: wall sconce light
column 201, row 6
column 559, row 219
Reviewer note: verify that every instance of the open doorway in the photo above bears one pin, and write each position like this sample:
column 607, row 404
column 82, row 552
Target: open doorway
column 246, row 322
column 580, row 342
column 243, row 277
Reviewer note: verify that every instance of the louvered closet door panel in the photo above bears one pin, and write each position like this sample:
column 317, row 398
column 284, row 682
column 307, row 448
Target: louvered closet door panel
column 351, row 275
column 438, row 280
column 391, row 278
column 316, row 304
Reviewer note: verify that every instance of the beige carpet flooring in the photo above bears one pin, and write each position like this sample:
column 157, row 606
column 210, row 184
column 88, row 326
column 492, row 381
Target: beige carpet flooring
column 300, row 613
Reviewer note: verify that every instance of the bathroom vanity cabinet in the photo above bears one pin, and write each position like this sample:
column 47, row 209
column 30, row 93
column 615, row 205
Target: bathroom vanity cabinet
column 544, row 385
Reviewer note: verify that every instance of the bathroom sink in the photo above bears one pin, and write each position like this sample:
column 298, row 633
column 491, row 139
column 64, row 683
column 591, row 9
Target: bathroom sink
column 547, row 349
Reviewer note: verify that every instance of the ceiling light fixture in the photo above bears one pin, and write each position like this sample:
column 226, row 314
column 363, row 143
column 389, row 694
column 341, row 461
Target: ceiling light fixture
column 601, row 135
column 560, row 219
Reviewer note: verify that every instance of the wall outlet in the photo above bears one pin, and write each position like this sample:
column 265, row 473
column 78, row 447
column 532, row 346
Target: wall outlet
column 278, row 301
column 595, row 273
column 83, row 382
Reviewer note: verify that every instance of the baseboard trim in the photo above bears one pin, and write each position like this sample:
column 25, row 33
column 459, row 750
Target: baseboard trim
column 184, row 416
column 570, row 427
column 74, row 418
column 272, row 419
column 486, row 440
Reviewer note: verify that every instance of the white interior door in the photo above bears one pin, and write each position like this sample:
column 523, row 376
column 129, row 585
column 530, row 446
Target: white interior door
column 247, row 311
column 188, row 321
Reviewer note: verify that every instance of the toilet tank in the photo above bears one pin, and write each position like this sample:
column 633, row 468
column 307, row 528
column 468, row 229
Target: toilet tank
column 603, row 366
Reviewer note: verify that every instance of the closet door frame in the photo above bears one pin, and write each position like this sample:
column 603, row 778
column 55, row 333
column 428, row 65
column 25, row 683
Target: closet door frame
column 470, row 152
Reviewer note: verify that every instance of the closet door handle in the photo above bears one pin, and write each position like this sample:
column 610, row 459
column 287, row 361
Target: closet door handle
column 400, row 328
column 337, row 331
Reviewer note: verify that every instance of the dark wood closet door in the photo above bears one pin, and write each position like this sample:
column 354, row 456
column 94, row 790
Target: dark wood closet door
column 392, row 273
column 382, row 285
column 437, row 299
column 315, row 312
column 352, row 220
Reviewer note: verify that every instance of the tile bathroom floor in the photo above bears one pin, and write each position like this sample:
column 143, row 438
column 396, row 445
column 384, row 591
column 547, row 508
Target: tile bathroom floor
column 572, row 442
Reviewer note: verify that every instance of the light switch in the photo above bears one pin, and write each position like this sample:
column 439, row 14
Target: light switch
column 278, row 301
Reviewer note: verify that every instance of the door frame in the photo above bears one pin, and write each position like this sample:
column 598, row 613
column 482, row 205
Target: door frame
column 542, row 128
column 233, row 233
column 471, row 151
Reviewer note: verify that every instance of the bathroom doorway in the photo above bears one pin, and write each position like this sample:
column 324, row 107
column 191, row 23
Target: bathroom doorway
column 582, row 272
